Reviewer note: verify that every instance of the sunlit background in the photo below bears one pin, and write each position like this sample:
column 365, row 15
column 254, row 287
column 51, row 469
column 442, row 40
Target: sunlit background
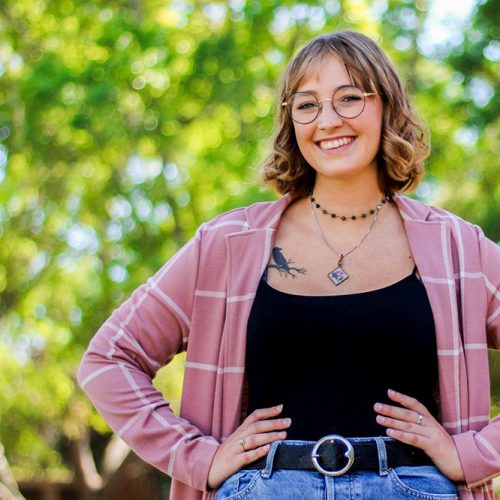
column 124, row 125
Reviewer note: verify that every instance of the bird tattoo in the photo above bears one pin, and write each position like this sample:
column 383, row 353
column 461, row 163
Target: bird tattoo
column 283, row 265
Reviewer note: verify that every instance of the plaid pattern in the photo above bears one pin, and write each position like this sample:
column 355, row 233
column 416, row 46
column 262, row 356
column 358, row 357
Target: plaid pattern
column 200, row 302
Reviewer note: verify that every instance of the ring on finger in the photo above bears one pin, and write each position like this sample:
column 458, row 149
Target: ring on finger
column 420, row 419
column 242, row 442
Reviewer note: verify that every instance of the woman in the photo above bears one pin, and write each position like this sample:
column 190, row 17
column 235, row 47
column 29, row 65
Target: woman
column 341, row 309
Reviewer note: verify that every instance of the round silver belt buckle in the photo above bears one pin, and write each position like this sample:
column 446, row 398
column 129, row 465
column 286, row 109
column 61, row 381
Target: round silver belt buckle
column 349, row 454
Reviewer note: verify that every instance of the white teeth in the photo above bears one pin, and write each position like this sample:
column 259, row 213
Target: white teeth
column 335, row 143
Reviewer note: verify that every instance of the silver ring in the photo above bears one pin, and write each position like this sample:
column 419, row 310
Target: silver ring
column 242, row 442
column 420, row 419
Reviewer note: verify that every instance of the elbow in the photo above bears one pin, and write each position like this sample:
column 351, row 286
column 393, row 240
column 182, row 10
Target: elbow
column 83, row 371
column 91, row 367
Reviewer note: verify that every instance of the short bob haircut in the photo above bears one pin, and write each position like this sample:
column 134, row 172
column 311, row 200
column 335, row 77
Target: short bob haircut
column 403, row 146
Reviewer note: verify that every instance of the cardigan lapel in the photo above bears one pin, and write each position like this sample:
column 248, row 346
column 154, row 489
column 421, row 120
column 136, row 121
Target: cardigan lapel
column 244, row 273
column 248, row 253
column 431, row 246
column 430, row 243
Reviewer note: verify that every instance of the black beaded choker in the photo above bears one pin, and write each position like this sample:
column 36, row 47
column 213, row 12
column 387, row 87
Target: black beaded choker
column 364, row 215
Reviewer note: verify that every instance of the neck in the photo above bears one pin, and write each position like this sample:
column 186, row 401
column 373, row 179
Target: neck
column 346, row 195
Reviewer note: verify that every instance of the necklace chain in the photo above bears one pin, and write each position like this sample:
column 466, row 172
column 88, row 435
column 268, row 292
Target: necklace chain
column 364, row 215
column 338, row 275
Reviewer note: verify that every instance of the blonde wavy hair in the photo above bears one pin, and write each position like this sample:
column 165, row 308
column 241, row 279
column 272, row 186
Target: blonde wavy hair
column 403, row 146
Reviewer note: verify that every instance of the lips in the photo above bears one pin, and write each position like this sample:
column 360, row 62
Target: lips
column 329, row 144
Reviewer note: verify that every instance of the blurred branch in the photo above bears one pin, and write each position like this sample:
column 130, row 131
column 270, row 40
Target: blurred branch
column 86, row 474
column 6, row 494
column 115, row 453
column 8, row 485
column 412, row 72
column 136, row 7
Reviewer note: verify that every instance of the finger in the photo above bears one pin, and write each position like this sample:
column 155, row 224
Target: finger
column 407, row 401
column 268, row 425
column 252, row 455
column 261, row 414
column 258, row 440
column 416, row 440
column 402, row 426
column 396, row 412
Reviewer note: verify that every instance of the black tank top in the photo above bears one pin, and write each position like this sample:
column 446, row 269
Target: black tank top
column 328, row 359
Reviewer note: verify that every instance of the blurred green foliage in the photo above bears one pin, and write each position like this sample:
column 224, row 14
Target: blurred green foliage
column 126, row 123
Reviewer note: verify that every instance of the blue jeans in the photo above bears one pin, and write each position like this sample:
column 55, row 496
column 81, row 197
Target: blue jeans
column 421, row 482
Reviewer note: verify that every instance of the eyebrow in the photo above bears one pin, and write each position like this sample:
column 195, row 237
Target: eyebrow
column 333, row 91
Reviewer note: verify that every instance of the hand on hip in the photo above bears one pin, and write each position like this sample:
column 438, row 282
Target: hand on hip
column 249, row 442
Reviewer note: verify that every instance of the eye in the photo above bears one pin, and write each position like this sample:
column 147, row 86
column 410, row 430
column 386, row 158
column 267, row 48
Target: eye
column 308, row 105
column 304, row 102
column 350, row 98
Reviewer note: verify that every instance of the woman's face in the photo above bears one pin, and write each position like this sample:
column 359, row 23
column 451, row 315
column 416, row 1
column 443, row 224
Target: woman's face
column 336, row 147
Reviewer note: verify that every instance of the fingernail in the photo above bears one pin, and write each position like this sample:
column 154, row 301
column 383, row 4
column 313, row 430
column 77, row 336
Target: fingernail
column 287, row 421
column 282, row 435
column 378, row 406
column 279, row 407
column 391, row 392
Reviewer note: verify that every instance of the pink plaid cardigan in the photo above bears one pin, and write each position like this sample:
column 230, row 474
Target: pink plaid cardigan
column 200, row 300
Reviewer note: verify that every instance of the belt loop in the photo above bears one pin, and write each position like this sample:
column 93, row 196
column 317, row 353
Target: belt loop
column 270, row 459
column 382, row 456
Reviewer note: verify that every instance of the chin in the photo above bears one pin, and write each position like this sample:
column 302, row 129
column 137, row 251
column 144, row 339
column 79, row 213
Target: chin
column 343, row 172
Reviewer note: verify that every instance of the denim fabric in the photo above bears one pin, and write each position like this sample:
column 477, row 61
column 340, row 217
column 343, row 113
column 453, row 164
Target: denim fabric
column 422, row 482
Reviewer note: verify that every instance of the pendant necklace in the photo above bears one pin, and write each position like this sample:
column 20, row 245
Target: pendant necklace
column 339, row 275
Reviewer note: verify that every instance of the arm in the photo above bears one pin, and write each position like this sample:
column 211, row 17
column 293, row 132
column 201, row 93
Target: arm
column 480, row 451
column 117, row 369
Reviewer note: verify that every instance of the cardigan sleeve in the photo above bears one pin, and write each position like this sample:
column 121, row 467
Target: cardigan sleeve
column 480, row 451
column 490, row 257
column 117, row 369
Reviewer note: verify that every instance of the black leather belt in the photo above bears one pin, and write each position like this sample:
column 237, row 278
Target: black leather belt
column 335, row 455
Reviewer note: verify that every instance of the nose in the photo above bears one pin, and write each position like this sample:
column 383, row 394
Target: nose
column 328, row 117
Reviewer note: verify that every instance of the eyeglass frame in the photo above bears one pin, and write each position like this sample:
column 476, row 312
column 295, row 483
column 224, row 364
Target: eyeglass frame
column 320, row 108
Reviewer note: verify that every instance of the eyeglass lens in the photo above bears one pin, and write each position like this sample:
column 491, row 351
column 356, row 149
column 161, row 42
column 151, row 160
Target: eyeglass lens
column 348, row 102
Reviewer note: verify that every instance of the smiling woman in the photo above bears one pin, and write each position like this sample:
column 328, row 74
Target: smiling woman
column 337, row 338
column 337, row 144
column 357, row 65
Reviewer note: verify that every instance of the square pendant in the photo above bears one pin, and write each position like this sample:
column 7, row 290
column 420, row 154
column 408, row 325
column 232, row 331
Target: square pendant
column 338, row 276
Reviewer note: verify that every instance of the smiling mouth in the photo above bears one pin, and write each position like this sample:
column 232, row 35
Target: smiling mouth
column 335, row 143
